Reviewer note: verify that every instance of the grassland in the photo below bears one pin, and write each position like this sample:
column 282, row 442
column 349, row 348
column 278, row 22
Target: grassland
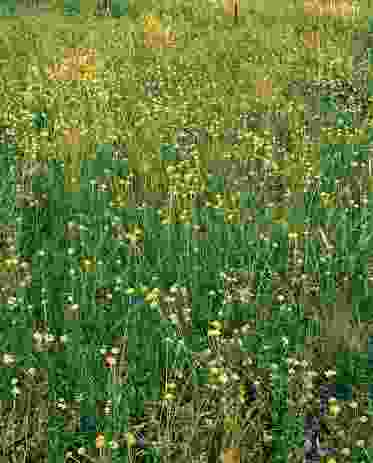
column 197, row 264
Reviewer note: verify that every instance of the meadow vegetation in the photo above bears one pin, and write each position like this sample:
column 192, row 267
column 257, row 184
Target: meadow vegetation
column 186, row 233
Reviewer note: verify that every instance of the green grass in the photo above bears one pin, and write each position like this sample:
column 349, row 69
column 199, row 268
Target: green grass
column 287, row 270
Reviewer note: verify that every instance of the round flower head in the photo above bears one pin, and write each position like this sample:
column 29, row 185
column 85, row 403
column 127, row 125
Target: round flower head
column 152, row 24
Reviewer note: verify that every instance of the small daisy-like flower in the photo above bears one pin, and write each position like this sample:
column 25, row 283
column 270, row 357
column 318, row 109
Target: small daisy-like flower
column 169, row 396
column 115, row 350
column 131, row 439
column 363, row 419
column 334, row 409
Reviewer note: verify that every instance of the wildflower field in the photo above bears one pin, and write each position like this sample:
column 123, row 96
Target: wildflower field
column 186, row 233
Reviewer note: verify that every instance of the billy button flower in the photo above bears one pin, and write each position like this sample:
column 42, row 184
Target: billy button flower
column 87, row 72
column 131, row 440
column 334, row 408
column 88, row 264
column 217, row 376
column 169, row 393
column 152, row 297
column 9, row 264
column 134, row 234
column 327, row 199
column 135, row 440
column 215, row 328
column 152, row 24
column 243, row 392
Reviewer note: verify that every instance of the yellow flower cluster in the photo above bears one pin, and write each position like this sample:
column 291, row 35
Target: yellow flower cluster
column 169, row 392
column 334, row 408
column 87, row 72
column 135, row 234
column 327, row 199
column 131, row 439
column 9, row 264
column 152, row 24
column 152, row 297
column 215, row 328
column 217, row 376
